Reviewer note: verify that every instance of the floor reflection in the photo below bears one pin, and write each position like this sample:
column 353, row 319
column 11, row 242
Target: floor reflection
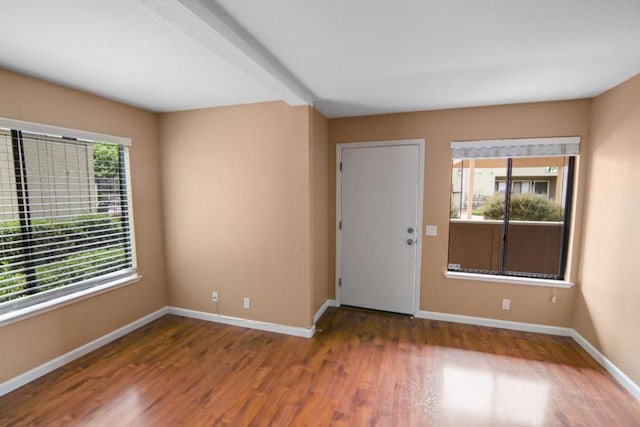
column 124, row 406
column 495, row 396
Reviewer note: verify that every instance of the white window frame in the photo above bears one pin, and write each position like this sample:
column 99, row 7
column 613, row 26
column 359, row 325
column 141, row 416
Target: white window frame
column 39, row 307
column 517, row 147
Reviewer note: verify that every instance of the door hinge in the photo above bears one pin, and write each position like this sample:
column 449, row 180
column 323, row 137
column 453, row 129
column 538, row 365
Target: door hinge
column 340, row 225
column 340, row 282
column 340, row 166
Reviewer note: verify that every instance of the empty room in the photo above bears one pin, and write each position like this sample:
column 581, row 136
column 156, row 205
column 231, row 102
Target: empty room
column 297, row 212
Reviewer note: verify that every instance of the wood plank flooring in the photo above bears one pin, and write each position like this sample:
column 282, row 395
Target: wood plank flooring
column 362, row 368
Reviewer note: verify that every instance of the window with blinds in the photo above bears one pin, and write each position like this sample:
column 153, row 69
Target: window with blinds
column 65, row 223
column 511, row 206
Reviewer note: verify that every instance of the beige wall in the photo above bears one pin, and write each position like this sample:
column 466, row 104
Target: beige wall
column 439, row 128
column 607, row 308
column 237, row 199
column 322, row 261
column 248, row 195
column 31, row 342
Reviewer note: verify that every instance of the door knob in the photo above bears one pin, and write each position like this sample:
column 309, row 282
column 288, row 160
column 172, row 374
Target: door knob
column 410, row 242
column 410, row 230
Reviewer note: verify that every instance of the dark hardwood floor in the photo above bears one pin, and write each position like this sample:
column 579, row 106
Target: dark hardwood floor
column 362, row 368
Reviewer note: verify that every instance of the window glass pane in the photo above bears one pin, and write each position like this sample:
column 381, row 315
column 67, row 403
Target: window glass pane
column 535, row 228
column 541, row 188
column 509, row 203
column 517, row 187
column 477, row 206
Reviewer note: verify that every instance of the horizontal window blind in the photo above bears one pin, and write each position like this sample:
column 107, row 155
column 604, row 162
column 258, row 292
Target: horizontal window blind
column 522, row 147
column 64, row 216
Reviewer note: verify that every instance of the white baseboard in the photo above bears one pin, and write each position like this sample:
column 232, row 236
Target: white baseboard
column 39, row 371
column 615, row 372
column 328, row 303
column 245, row 323
column 45, row 368
column 495, row 323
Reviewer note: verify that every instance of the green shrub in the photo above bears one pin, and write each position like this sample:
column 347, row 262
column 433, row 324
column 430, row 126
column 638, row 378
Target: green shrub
column 10, row 279
column 10, row 239
column 77, row 265
column 96, row 225
column 56, row 238
column 524, row 207
column 59, row 236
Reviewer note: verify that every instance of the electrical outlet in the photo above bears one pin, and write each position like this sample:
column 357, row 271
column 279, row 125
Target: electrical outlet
column 506, row 304
column 246, row 303
column 554, row 299
column 214, row 296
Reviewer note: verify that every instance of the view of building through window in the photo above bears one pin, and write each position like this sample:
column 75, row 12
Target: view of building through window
column 528, row 238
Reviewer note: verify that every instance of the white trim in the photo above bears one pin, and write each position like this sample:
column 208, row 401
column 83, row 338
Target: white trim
column 337, row 222
column 62, row 131
column 420, row 142
column 608, row 365
column 45, row 368
column 132, row 228
column 55, row 303
column 495, row 323
column 512, row 280
column 245, row 323
column 328, row 303
column 420, row 233
column 39, row 371
column 391, row 142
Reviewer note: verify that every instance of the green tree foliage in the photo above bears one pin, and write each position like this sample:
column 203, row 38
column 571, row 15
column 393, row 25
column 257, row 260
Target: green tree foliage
column 524, row 207
column 105, row 160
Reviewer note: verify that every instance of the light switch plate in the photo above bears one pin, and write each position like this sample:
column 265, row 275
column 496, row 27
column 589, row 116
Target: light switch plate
column 432, row 230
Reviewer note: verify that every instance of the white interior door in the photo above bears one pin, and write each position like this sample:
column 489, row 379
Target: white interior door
column 379, row 205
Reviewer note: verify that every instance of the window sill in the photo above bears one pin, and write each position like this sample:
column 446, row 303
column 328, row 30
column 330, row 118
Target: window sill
column 43, row 307
column 509, row 279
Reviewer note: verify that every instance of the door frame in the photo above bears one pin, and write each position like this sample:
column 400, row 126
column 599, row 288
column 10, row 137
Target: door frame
column 420, row 143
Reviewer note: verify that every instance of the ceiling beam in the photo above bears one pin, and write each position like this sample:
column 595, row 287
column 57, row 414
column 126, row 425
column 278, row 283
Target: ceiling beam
column 249, row 55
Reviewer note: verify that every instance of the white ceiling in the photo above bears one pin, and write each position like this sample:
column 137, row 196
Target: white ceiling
column 346, row 57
